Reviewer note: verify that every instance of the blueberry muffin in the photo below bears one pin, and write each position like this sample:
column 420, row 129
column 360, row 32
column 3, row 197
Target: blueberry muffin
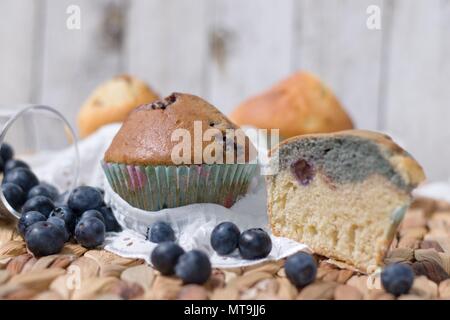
column 342, row 194
column 300, row 104
column 112, row 101
column 146, row 166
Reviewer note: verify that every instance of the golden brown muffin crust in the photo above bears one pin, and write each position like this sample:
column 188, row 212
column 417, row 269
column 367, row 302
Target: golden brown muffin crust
column 300, row 104
column 145, row 137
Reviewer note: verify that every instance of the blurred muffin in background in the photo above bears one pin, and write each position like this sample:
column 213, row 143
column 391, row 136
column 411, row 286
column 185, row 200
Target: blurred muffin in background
column 300, row 104
column 112, row 101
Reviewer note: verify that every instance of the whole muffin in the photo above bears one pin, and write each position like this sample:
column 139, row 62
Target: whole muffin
column 300, row 104
column 151, row 165
column 343, row 194
column 112, row 102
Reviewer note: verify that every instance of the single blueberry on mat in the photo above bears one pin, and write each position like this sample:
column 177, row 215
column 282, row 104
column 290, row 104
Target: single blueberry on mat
column 254, row 244
column 193, row 267
column 13, row 164
column 44, row 189
column 301, row 269
column 225, row 238
column 14, row 195
column 397, row 278
column 65, row 213
column 43, row 238
column 160, row 231
column 23, row 177
column 165, row 257
column 90, row 232
column 85, row 198
column 6, row 152
column 60, row 224
column 28, row 219
column 41, row 204
column 111, row 223
column 93, row 214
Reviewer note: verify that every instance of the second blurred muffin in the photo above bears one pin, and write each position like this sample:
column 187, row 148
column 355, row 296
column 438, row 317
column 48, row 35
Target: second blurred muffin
column 112, row 101
column 299, row 104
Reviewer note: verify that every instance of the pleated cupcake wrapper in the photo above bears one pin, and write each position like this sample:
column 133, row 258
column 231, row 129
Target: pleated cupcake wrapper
column 153, row 188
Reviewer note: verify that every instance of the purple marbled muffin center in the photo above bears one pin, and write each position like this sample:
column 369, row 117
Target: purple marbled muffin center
column 303, row 171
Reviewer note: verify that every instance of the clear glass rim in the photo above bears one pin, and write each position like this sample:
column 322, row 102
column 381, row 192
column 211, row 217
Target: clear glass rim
column 5, row 206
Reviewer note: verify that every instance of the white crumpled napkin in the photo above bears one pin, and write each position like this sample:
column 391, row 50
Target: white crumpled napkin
column 193, row 224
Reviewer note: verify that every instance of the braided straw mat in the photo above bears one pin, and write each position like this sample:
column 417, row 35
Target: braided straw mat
column 423, row 241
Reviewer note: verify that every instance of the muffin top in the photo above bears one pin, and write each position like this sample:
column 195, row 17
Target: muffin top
column 178, row 126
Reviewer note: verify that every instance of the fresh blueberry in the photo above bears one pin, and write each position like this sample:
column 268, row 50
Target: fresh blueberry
column 225, row 238
column 160, row 231
column 6, row 152
column 165, row 257
column 13, row 164
column 85, row 198
column 93, row 214
column 193, row 267
column 60, row 224
column 39, row 203
column 254, row 244
column 102, row 192
column 301, row 269
column 23, row 177
column 397, row 278
column 90, row 232
column 14, row 195
column 65, row 213
column 111, row 223
column 44, row 238
column 27, row 219
column 44, row 189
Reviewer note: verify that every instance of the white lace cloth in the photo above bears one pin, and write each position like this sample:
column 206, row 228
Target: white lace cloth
column 193, row 224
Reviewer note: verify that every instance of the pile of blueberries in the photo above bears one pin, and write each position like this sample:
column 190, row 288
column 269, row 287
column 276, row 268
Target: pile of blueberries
column 47, row 220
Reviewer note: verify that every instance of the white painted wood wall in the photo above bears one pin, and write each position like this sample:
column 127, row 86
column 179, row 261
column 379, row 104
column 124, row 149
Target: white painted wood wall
column 395, row 79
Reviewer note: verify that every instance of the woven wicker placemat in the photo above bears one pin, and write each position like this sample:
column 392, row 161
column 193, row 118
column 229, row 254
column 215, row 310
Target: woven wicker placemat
column 423, row 241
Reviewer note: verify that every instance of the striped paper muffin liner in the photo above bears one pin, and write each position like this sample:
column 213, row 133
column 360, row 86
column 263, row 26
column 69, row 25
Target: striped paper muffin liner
column 153, row 188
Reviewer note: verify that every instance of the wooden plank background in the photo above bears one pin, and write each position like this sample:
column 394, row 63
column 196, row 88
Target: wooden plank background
column 396, row 79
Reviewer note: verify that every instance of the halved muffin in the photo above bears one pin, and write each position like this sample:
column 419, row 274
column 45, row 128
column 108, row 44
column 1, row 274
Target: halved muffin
column 343, row 194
